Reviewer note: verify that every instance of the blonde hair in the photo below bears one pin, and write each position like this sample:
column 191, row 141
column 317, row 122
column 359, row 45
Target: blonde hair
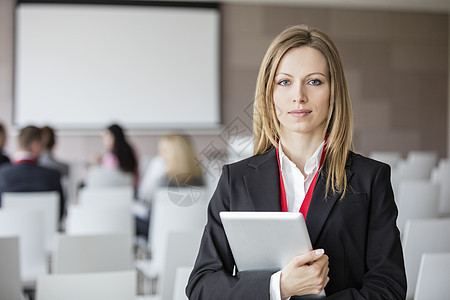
column 339, row 122
column 181, row 159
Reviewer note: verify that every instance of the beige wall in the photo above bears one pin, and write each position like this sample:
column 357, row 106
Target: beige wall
column 397, row 66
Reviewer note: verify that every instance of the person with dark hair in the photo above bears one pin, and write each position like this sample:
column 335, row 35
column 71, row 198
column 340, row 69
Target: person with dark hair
column 46, row 159
column 3, row 157
column 24, row 175
column 119, row 156
column 304, row 162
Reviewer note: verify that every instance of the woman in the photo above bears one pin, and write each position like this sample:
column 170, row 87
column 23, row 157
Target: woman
column 175, row 165
column 303, row 161
column 120, row 154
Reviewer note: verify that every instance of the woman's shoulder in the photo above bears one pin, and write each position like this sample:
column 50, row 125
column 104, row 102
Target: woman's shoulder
column 357, row 160
column 253, row 161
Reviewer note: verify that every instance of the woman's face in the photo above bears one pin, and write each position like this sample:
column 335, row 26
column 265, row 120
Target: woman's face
column 108, row 140
column 302, row 91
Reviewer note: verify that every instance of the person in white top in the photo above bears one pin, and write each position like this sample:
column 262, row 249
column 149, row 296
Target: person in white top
column 303, row 161
column 175, row 165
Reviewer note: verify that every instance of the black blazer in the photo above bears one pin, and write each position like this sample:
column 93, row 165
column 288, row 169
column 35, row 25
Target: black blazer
column 4, row 158
column 26, row 177
column 358, row 232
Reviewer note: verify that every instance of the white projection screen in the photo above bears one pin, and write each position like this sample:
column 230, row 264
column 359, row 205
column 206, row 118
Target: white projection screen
column 82, row 66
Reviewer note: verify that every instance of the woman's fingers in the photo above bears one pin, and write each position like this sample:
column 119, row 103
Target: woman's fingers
column 305, row 274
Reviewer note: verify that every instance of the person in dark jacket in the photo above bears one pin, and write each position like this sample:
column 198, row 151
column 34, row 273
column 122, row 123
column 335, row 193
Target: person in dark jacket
column 24, row 175
column 303, row 161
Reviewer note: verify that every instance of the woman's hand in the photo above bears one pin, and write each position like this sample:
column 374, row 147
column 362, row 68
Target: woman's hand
column 305, row 274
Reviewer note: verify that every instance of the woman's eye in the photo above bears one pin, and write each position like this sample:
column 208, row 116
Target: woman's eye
column 283, row 82
column 315, row 82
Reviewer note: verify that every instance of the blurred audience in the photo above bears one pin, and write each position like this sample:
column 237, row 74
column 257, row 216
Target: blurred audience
column 47, row 158
column 175, row 165
column 3, row 157
column 24, row 175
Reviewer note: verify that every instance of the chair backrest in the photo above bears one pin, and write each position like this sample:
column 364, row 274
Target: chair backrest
column 170, row 212
column 418, row 164
column 87, row 286
column 421, row 236
column 434, row 277
column 441, row 176
column 104, row 196
column 389, row 157
column 27, row 225
column 99, row 176
column 94, row 220
column 92, row 253
column 46, row 202
column 10, row 282
column 417, row 199
column 181, row 281
column 181, row 251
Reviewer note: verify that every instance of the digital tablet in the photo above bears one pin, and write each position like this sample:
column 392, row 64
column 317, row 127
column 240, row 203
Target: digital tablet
column 265, row 240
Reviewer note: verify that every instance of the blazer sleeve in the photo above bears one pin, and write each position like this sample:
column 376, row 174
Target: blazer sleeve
column 212, row 275
column 385, row 272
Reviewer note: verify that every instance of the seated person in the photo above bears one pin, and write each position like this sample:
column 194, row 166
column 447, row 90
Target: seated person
column 46, row 159
column 24, row 175
column 3, row 157
column 119, row 156
column 175, row 165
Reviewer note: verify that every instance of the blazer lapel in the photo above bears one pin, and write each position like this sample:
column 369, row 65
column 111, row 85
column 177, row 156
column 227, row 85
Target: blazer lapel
column 262, row 182
column 321, row 206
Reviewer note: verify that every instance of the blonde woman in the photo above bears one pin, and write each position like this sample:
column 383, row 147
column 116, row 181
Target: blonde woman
column 181, row 160
column 175, row 165
column 304, row 162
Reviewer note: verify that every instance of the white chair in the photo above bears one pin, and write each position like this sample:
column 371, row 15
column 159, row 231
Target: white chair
column 82, row 220
column 10, row 284
column 434, row 277
column 417, row 199
column 99, row 176
column 181, row 251
column 417, row 165
column 27, row 225
column 96, row 220
column 167, row 217
column 441, row 176
column 46, row 202
column 93, row 253
column 389, row 157
column 181, row 281
column 106, row 196
column 422, row 236
column 87, row 286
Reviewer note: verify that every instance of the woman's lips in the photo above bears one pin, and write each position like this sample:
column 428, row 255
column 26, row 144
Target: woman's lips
column 299, row 113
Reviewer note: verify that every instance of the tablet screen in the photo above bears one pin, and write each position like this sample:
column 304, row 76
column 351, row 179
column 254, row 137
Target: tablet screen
column 265, row 240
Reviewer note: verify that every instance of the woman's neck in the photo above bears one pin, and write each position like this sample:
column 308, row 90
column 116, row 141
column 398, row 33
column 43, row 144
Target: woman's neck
column 300, row 147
